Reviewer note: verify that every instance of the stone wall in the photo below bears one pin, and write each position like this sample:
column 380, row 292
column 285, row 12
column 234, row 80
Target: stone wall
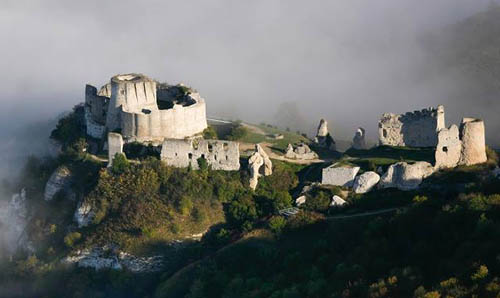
column 115, row 145
column 220, row 155
column 449, row 148
column 175, row 123
column 96, row 104
column 413, row 129
column 473, row 139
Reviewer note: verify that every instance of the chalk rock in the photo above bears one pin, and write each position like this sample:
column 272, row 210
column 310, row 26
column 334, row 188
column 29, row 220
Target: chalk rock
column 84, row 215
column 358, row 142
column 322, row 128
column 405, row 176
column 60, row 180
column 473, row 142
column 449, row 148
column 254, row 163
column 302, row 152
column 300, row 200
column 365, row 182
column 108, row 257
column 268, row 165
column 337, row 201
column 339, row 176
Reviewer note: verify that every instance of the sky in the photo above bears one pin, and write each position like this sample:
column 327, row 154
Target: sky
column 293, row 62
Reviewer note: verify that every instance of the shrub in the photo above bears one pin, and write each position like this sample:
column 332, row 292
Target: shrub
column 237, row 133
column 72, row 238
column 209, row 133
column 277, row 224
column 492, row 156
column 120, row 164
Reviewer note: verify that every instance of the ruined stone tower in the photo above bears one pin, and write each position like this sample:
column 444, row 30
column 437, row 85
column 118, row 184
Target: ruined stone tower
column 473, row 141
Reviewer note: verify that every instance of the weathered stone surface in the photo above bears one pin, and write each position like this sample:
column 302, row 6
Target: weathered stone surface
column 359, row 142
column 115, row 146
column 302, row 152
column 406, row 176
column 449, row 148
column 337, row 201
column 300, row 200
column 417, row 129
column 339, row 176
column 258, row 163
column 473, row 142
column 84, row 215
column 59, row 181
column 323, row 137
column 268, row 165
column 366, row 182
column 220, row 155
column 107, row 257
column 322, row 128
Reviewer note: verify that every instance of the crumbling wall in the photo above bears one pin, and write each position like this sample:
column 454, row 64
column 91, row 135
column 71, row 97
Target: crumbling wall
column 449, row 148
column 96, row 104
column 115, row 145
column 301, row 152
column 413, row 129
column 220, row 155
column 358, row 142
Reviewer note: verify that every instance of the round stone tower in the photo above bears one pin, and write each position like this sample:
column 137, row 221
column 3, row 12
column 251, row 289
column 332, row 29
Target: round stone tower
column 473, row 142
column 131, row 93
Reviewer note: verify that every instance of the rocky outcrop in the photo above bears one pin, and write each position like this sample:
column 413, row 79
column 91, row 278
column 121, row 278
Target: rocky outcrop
column 339, row 175
column 337, row 201
column 406, row 176
column 109, row 257
column 84, row 215
column 259, row 164
column 300, row 200
column 365, row 182
column 13, row 222
column 323, row 137
column 473, row 142
column 301, row 152
column 59, row 181
column 358, row 142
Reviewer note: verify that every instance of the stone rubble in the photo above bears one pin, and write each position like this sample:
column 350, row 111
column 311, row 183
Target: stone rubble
column 404, row 176
column 337, row 201
column 301, row 152
column 339, row 175
column 365, row 182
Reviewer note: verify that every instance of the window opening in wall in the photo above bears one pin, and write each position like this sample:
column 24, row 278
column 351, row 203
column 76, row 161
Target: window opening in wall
column 445, row 149
column 190, row 155
column 227, row 157
column 210, row 148
column 384, row 132
column 226, row 146
column 215, row 157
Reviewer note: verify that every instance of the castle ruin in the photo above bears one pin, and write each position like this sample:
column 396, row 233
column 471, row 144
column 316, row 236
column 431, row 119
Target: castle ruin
column 413, row 129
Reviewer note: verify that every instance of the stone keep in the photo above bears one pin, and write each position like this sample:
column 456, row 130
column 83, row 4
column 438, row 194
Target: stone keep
column 416, row 129
column 339, row 176
column 115, row 146
column 220, row 155
column 144, row 110
column 473, row 142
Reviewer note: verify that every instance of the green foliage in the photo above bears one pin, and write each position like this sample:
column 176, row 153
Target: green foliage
column 277, row 224
column 68, row 129
column 492, row 155
column 120, row 164
column 242, row 212
column 238, row 132
column 209, row 133
column 72, row 238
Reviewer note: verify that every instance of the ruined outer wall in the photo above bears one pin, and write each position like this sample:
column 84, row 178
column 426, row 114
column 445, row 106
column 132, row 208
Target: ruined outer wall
column 176, row 123
column 417, row 129
column 473, row 142
column 97, row 104
column 221, row 155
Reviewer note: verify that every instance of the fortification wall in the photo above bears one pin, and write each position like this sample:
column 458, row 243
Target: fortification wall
column 472, row 134
column 220, row 155
column 413, row 129
column 97, row 104
column 176, row 123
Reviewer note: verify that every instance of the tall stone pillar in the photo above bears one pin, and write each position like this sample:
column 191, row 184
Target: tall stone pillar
column 473, row 142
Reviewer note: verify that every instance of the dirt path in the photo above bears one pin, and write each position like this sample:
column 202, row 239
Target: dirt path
column 363, row 214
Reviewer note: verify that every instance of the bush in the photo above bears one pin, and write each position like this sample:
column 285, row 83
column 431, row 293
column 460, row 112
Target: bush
column 237, row 133
column 277, row 224
column 209, row 133
column 492, row 156
column 120, row 164
column 72, row 238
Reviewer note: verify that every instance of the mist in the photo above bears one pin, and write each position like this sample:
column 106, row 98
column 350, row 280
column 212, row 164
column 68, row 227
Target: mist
column 346, row 61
